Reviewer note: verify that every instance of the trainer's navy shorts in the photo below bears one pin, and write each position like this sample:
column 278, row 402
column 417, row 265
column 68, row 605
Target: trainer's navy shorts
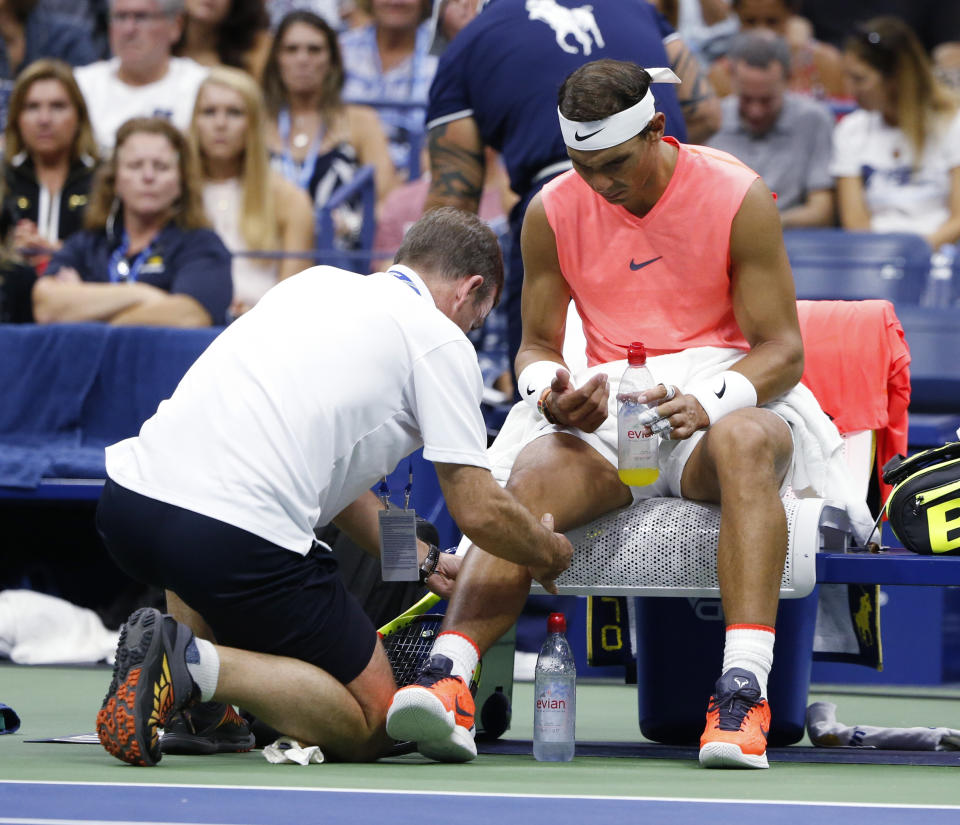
column 254, row 594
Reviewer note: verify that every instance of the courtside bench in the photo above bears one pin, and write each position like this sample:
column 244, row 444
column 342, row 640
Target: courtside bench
column 69, row 390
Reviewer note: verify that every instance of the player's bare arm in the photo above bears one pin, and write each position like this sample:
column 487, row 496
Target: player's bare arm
column 764, row 303
column 544, row 303
column 764, row 297
column 457, row 165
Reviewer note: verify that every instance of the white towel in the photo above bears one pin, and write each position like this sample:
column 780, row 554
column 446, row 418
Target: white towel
column 37, row 629
column 819, row 468
column 287, row 751
column 826, row 732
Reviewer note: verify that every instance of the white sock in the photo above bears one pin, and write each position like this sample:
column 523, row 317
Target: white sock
column 203, row 662
column 459, row 649
column 750, row 647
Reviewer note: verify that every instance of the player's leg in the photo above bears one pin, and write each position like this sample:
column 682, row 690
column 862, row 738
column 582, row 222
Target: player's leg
column 559, row 474
column 740, row 464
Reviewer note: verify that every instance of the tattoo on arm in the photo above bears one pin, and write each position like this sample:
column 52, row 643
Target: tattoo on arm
column 457, row 171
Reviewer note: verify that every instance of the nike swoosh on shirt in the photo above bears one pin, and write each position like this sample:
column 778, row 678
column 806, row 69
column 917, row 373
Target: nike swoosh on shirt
column 635, row 266
column 578, row 136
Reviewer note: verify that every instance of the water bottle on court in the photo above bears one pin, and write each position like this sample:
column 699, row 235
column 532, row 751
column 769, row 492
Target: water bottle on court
column 555, row 696
column 637, row 454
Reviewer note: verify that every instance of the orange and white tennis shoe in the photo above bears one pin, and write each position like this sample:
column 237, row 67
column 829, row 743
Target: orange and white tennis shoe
column 436, row 712
column 738, row 722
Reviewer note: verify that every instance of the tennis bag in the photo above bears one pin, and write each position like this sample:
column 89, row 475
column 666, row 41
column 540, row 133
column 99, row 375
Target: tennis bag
column 924, row 506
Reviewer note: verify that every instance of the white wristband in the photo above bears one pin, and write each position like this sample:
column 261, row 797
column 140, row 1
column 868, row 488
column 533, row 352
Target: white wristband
column 724, row 393
column 535, row 378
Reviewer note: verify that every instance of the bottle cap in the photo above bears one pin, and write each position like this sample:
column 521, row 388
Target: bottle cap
column 636, row 354
column 557, row 623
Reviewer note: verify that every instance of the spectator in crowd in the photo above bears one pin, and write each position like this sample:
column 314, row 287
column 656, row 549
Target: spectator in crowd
column 816, row 67
column 146, row 256
column 329, row 10
column 496, row 86
column 89, row 15
column 142, row 78
column 935, row 22
column 252, row 207
column 226, row 32
column 49, row 157
column 783, row 136
column 28, row 33
column 896, row 159
column 389, row 61
column 401, row 208
column 706, row 26
column 315, row 139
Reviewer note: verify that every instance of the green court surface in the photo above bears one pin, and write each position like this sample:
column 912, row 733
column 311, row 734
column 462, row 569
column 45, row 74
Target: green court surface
column 57, row 701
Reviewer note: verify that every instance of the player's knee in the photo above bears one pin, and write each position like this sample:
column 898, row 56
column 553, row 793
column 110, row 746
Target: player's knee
column 745, row 447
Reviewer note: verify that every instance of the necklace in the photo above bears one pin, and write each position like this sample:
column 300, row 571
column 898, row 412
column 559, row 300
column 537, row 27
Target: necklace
column 300, row 140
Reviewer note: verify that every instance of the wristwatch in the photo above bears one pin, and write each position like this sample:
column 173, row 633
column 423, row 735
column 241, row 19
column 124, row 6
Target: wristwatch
column 429, row 566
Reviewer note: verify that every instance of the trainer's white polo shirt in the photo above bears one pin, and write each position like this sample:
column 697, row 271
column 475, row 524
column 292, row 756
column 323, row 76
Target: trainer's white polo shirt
column 305, row 401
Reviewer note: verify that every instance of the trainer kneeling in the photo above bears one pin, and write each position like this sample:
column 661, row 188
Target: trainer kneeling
column 286, row 422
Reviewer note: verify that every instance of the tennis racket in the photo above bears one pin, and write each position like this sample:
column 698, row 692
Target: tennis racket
column 409, row 638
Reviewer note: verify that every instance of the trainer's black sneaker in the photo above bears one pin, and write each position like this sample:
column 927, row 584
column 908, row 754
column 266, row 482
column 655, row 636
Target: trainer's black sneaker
column 210, row 727
column 150, row 682
column 738, row 721
column 436, row 712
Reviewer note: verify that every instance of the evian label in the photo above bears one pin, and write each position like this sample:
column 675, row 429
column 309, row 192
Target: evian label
column 554, row 709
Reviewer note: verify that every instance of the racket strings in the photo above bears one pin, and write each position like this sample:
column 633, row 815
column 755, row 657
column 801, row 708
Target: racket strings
column 409, row 647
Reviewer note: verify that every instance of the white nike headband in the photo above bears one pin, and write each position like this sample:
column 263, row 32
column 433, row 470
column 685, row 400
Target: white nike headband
column 611, row 131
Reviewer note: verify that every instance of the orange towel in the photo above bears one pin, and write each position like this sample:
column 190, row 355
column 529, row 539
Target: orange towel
column 857, row 366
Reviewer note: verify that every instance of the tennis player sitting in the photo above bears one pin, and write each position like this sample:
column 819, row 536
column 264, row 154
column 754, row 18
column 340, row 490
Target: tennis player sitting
column 680, row 247
column 286, row 421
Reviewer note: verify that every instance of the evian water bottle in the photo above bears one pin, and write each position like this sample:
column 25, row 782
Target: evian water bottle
column 555, row 696
column 637, row 454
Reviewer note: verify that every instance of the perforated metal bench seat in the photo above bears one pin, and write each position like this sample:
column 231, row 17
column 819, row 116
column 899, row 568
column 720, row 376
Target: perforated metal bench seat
column 668, row 547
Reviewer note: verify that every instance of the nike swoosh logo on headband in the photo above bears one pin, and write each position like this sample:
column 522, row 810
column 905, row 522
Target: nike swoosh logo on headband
column 578, row 136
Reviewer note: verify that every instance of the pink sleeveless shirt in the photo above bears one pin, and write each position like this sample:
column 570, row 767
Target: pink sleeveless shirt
column 663, row 279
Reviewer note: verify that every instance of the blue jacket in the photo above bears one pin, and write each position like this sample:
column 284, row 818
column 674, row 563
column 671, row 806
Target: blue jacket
column 190, row 262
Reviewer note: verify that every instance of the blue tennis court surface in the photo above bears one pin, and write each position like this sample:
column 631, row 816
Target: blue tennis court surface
column 43, row 803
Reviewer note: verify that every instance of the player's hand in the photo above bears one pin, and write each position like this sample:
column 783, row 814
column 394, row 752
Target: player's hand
column 562, row 552
column 582, row 407
column 443, row 580
column 677, row 415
